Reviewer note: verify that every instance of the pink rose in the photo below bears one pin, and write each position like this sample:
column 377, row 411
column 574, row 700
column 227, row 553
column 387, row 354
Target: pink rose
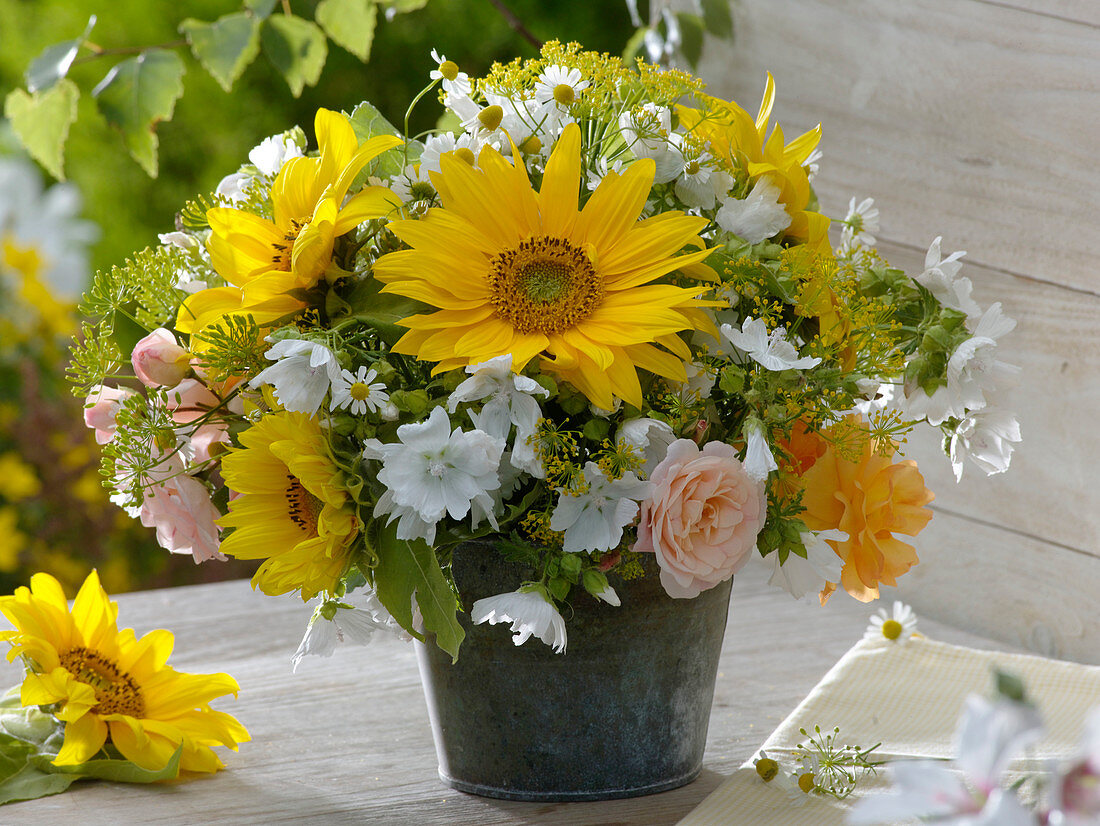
column 188, row 401
column 702, row 518
column 100, row 410
column 181, row 511
column 159, row 361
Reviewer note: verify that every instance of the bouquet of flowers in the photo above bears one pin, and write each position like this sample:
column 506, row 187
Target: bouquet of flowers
column 594, row 316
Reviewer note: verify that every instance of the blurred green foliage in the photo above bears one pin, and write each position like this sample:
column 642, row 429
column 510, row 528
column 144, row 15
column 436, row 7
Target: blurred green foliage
column 212, row 130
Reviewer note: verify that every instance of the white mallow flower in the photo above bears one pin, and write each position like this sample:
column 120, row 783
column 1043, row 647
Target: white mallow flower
column 353, row 618
column 770, row 350
column 966, row 792
column 510, row 395
column 302, row 374
column 649, row 437
column 270, row 155
column 594, row 520
column 531, row 613
column 800, row 575
column 355, row 391
column 434, row 470
column 941, row 278
column 756, row 217
column 861, row 223
column 758, row 461
column 648, row 134
column 972, row 369
column 985, row 437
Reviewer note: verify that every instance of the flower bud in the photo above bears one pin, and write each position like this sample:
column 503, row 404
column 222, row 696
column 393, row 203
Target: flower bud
column 159, row 361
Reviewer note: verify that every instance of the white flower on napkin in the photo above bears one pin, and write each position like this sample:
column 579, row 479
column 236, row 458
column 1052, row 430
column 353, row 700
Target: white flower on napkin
column 897, row 626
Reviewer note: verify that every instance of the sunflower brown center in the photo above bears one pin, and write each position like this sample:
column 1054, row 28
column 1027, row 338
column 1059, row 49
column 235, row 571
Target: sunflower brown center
column 115, row 690
column 544, row 285
column 304, row 506
column 282, row 259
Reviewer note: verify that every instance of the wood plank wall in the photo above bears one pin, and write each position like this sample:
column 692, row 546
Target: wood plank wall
column 977, row 120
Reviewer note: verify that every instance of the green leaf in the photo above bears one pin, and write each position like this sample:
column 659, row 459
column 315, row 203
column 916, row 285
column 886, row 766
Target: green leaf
column 297, row 48
column 42, row 120
column 381, row 311
column 691, row 37
column 405, row 568
column 224, row 47
column 717, row 18
column 119, row 771
column 55, row 61
column 350, row 23
column 137, row 94
column 367, row 122
column 260, row 8
column 30, row 783
column 634, row 45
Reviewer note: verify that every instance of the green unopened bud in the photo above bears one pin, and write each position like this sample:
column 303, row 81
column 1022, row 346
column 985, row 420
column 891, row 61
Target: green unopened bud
column 449, row 69
column 767, row 769
column 490, row 117
column 564, row 94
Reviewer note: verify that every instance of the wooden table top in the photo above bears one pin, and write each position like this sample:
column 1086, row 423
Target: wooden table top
column 347, row 739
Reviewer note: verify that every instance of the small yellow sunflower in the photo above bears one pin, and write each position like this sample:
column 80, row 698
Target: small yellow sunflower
column 104, row 683
column 735, row 136
column 293, row 510
column 264, row 260
column 528, row 273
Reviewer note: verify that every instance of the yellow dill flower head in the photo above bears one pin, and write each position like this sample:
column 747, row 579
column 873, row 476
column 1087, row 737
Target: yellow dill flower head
column 293, row 510
column 512, row 270
column 108, row 685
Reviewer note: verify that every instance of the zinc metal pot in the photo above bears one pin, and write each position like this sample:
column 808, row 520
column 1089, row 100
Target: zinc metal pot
column 624, row 712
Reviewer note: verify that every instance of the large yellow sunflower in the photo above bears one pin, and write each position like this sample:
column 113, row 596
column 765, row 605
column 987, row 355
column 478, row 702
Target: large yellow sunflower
column 735, row 136
column 105, row 683
column 264, row 260
column 293, row 510
column 528, row 273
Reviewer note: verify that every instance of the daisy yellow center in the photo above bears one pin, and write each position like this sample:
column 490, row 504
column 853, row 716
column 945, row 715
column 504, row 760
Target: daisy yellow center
column 564, row 94
column 115, row 690
column 544, row 285
column 891, row 629
column 305, row 508
column 359, row 391
column 283, row 252
column 465, row 154
column 692, row 168
column 449, row 69
column 806, row 782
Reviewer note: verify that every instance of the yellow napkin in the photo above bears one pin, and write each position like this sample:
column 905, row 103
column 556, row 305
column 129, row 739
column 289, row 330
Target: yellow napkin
column 908, row 697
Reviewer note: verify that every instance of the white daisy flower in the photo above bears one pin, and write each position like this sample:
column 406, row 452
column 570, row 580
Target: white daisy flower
column 598, row 171
column 861, row 223
column 897, row 626
column 801, row 575
column 453, row 81
column 434, row 470
column 560, row 85
column 466, row 145
column 302, row 374
column 413, row 183
column 355, row 390
column 941, row 278
column 810, row 164
column 531, row 614
column 770, row 350
column 594, row 520
column 700, row 183
column 756, row 217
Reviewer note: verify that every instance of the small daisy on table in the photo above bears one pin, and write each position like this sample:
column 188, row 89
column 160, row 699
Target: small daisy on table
column 897, row 626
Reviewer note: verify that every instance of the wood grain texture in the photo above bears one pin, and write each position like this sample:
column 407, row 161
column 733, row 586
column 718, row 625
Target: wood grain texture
column 347, row 740
column 968, row 119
